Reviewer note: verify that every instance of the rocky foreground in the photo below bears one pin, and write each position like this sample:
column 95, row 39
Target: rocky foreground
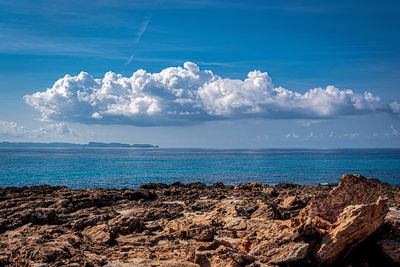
column 354, row 224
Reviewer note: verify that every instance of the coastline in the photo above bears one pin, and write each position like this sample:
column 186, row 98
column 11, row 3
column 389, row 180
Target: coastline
column 197, row 225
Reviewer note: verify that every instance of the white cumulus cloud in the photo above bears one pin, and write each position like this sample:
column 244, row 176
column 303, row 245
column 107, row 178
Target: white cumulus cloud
column 188, row 95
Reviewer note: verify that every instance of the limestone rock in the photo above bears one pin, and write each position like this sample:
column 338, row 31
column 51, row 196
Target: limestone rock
column 355, row 223
column 222, row 256
column 197, row 225
column 351, row 212
column 352, row 190
column 101, row 234
column 290, row 252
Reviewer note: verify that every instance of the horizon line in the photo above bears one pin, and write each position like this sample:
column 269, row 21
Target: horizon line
column 155, row 146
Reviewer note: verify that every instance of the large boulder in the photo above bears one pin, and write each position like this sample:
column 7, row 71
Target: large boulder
column 352, row 190
column 355, row 223
column 351, row 212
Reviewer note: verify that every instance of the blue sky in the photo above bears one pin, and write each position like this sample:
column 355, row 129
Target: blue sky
column 334, row 46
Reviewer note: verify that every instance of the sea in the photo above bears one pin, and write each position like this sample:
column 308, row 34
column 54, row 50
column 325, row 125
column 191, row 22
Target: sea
column 130, row 167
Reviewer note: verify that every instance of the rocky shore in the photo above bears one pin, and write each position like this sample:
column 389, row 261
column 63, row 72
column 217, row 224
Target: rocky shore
column 356, row 223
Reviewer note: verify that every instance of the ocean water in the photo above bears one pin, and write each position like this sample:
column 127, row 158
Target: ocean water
column 120, row 168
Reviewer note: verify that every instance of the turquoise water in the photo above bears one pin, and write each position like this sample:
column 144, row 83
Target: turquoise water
column 118, row 168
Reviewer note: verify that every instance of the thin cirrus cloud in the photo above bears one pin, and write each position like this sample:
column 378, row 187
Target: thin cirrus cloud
column 139, row 34
column 187, row 95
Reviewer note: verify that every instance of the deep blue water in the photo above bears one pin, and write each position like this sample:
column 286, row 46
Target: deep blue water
column 117, row 168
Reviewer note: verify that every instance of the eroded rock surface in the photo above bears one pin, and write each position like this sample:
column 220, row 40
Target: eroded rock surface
column 196, row 225
column 351, row 212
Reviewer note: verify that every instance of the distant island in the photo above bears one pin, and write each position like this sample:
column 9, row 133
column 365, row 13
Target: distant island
column 72, row 145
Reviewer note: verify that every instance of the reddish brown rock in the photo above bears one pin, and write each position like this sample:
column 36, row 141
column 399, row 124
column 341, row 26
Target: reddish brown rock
column 355, row 223
column 101, row 234
column 198, row 225
column 290, row 252
column 351, row 212
column 352, row 190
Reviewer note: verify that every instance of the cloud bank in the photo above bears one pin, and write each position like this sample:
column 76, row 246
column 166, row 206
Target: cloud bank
column 10, row 129
column 187, row 95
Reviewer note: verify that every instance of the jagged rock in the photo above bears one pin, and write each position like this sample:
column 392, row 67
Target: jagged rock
column 101, row 234
column 289, row 253
column 154, row 186
column 355, row 223
column 267, row 211
column 150, row 263
column 86, row 221
column 197, row 225
column 291, row 202
column 63, row 203
column 214, row 245
column 248, row 186
column 138, row 195
column 351, row 212
column 197, row 185
column 126, row 225
column 218, row 185
column 352, row 190
column 222, row 257
column 236, row 224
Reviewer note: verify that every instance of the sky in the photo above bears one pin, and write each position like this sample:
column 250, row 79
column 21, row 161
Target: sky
column 223, row 74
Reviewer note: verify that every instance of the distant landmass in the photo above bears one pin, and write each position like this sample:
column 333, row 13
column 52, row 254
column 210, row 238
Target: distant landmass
column 72, row 145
